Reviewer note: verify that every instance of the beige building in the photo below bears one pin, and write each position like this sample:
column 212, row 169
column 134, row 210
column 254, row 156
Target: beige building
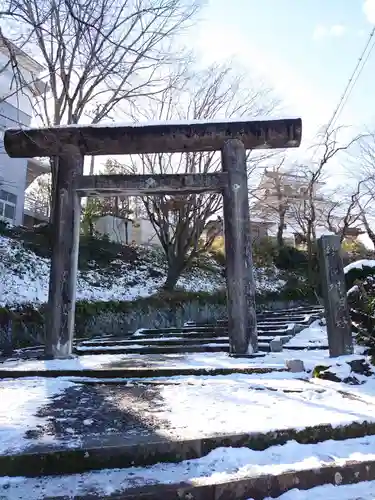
column 283, row 189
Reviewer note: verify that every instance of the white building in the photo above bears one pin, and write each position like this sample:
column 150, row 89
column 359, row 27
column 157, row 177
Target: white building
column 16, row 111
column 126, row 231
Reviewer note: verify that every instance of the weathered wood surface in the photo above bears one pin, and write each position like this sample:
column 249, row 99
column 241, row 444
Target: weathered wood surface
column 242, row 327
column 162, row 138
column 339, row 329
column 138, row 185
column 64, row 262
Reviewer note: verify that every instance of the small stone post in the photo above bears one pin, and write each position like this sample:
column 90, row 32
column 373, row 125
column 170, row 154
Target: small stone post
column 64, row 262
column 339, row 330
column 239, row 263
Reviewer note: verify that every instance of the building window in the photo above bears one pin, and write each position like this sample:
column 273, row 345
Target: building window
column 8, row 202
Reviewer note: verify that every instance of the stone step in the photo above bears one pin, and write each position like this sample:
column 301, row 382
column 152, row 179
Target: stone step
column 296, row 318
column 178, row 341
column 176, row 349
column 292, row 309
column 254, row 487
column 122, row 373
column 351, row 480
column 119, row 451
column 206, row 329
column 207, row 337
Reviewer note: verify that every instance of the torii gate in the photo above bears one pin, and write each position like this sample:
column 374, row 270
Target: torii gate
column 71, row 143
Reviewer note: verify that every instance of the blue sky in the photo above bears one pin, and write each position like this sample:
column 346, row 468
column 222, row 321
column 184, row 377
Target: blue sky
column 305, row 49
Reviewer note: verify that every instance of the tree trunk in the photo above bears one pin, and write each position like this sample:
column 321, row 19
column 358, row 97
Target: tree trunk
column 54, row 167
column 369, row 231
column 173, row 275
column 175, row 267
column 280, row 230
column 310, row 264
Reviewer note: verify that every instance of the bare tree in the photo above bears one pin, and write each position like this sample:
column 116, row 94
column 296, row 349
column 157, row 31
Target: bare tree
column 275, row 195
column 366, row 176
column 16, row 33
column 343, row 213
column 308, row 211
column 39, row 195
column 102, row 56
column 180, row 221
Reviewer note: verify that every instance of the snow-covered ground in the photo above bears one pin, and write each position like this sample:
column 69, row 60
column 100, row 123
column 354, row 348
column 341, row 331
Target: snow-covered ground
column 222, row 464
column 194, row 406
column 359, row 491
column 24, row 278
column 20, row 401
column 197, row 406
column 315, row 335
column 197, row 360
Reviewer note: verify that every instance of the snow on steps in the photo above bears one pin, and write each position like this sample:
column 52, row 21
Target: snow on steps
column 202, row 338
column 224, row 473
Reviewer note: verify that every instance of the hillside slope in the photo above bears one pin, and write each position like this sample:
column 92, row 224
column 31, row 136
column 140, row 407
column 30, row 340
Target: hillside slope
column 24, row 276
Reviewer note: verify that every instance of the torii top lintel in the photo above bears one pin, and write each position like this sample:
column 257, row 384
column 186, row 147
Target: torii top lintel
column 165, row 137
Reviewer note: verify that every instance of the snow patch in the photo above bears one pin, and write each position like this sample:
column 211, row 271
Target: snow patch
column 359, row 264
column 20, row 401
column 222, row 464
column 24, row 278
column 153, row 123
column 357, row 491
column 314, row 335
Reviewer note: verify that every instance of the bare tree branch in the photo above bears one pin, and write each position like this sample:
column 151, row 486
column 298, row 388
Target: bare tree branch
column 180, row 221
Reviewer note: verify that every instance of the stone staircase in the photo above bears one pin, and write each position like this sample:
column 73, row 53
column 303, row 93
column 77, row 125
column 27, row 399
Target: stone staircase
column 275, row 328
column 105, row 466
column 101, row 465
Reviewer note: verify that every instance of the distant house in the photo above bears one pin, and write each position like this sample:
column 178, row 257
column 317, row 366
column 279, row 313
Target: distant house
column 127, row 231
column 277, row 188
column 259, row 229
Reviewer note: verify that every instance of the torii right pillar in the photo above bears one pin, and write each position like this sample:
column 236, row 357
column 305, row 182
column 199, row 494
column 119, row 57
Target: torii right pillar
column 242, row 327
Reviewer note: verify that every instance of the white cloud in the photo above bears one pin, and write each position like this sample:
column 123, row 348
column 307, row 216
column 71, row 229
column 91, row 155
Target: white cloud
column 337, row 30
column 322, row 31
column 369, row 10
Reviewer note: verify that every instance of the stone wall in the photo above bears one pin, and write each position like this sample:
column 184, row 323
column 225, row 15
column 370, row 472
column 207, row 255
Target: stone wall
column 121, row 323
column 30, row 332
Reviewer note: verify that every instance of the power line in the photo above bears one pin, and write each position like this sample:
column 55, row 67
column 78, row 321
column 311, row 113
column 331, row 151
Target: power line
column 352, row 80
column 350, row 85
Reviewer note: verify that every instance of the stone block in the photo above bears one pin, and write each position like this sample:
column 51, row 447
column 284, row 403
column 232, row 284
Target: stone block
column 276, row 345
column 295, row 365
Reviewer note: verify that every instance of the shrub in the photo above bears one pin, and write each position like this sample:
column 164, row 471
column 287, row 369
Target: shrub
column 264, row 251
column 91, row 249
column 290, row 258
column 362, row 305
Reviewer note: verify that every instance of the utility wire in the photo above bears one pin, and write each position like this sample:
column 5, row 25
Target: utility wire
column 352, row 80
column 363, row 58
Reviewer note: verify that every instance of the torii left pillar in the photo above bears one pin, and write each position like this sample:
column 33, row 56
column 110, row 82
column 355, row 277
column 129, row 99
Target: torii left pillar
column 66, row 214
column 242, row 325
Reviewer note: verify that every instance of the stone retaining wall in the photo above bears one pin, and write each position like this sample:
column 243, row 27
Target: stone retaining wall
column 120, row 323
